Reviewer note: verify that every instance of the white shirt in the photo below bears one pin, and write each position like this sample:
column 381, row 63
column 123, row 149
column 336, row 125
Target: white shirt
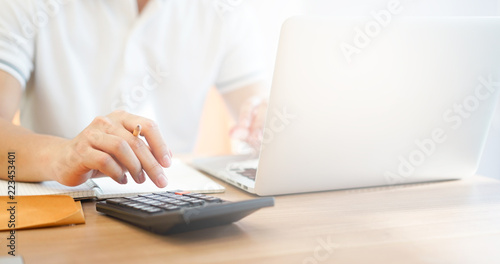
column 78, row 59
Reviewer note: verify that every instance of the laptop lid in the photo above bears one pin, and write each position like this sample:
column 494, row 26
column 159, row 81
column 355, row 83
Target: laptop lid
column 359, row 102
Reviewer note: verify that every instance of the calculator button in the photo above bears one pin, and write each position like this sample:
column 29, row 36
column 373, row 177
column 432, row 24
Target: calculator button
column 132, row 204
column 163, row 199
column 196, row 195
column 168, row 200
column 138, row 199
column 116, row 201
column 212, row 199
column 167, row 194
column 197, row 202
column 147, row 195
column 194, row 201
column 151, row 209
column 170, row 207
column 154, row 203
column 138, row 206
column 181, row 203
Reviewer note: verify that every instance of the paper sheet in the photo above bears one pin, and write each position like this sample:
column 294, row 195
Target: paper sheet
column 84, row 190
column 180, row 177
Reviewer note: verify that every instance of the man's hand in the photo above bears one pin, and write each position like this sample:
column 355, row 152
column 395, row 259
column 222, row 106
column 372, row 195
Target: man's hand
column 107, row 146
column 250, row 123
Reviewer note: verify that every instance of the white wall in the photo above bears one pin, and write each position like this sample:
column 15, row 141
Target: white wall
column 274, row 12
column 411, row 7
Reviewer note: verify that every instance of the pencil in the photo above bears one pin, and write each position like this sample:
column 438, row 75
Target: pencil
column 137, row 131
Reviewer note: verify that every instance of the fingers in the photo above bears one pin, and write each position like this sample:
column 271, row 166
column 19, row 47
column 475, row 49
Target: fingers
column 252, row 117
column 149, row 162
column 120, row 149
column 151, row 157
column 153, row 136
column 105, row 163
column 155, row 140
column 247, row 111
column 257, row 126
column 245, row 119
column 108, row 145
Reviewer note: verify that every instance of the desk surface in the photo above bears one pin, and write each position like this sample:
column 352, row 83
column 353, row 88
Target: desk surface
column 444, row 222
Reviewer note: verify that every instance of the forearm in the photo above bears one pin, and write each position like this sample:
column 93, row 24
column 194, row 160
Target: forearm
column 32, row 159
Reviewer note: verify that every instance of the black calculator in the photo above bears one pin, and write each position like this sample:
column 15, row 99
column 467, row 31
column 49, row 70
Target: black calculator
column 177, row 211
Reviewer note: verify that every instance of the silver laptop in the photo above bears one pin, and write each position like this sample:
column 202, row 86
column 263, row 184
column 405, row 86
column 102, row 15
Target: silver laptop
column 359, row 102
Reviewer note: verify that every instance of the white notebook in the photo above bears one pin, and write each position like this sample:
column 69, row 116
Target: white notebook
column 180, row 177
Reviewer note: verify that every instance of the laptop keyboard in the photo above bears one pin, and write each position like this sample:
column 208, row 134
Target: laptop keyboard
column 246, row 169
column 249, row 173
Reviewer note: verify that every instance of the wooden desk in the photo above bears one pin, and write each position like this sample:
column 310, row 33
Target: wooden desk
column 446, row 222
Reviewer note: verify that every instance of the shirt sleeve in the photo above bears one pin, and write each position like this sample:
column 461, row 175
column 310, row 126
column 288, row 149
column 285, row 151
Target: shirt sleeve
column 242, row 61
column 18, row 27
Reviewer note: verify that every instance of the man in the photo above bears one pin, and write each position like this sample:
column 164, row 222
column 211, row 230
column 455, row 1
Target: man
column 70, row 64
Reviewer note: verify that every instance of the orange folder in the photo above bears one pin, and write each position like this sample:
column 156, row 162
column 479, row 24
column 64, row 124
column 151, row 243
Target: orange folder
column 39, row 211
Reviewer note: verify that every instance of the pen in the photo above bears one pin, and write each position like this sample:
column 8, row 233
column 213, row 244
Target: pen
column 137, row 131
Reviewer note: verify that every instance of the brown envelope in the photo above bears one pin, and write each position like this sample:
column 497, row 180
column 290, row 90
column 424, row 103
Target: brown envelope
column 39, row 211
